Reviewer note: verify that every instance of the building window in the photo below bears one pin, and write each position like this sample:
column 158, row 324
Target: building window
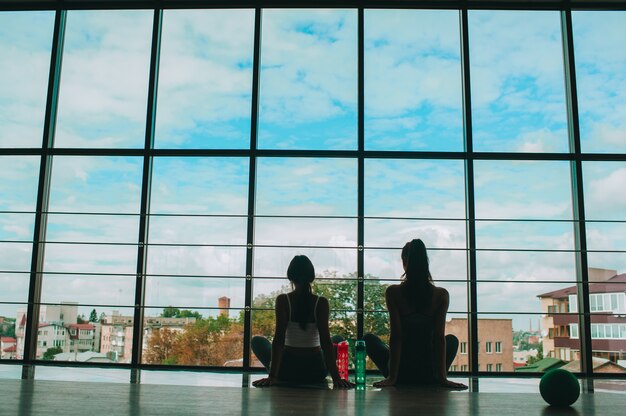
column 463, row 367
column 498, row 367
column 463, row 347
column 489, row 367
column 488, row 347
column 573, row 331
column 499, row 347
column 453, row 368
column 607, row 302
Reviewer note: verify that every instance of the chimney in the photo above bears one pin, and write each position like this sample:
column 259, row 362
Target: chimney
column 224, row 304
column 600, row 275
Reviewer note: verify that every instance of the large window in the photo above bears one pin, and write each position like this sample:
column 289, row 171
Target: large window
column 159, row 169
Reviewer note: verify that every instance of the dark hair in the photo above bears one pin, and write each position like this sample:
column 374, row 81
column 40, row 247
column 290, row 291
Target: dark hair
column 418, row 279
column 302, row 272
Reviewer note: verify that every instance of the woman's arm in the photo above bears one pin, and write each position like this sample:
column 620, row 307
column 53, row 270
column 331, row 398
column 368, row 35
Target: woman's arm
column 278, row 344
column 439, row 341
column 327, row 345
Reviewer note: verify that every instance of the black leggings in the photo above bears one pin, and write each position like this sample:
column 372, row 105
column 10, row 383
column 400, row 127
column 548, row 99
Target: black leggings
column 293, row 368
column 378, row 351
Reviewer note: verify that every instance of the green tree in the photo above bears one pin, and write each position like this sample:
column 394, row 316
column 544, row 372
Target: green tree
column 171, row 312
column 93, row 316
column 80, row 319
column 51, row 352
column 538, row 357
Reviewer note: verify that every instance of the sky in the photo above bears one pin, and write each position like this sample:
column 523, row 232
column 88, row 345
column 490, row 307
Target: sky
column 308, row 100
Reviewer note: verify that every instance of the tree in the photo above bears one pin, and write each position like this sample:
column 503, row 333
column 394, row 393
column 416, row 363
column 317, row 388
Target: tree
column 80, row 319
column 538, row 357
column 171, row 312
column 160, row 347
column 93, row 316
column 51, row 352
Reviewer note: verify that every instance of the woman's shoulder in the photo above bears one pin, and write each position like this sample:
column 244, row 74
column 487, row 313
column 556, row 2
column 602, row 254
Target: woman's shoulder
column 391, row 289
column 440, row 296
column 320, row 299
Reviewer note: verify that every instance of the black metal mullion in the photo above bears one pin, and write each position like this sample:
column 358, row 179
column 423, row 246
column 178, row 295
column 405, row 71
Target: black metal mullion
column 469, row 199
column 256, row 68
column 144, row 219
column 578, row 201
column 43, row 198
column 360, row 318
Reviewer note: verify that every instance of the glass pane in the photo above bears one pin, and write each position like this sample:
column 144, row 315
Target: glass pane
column 104, row 81
column 413, row 80
column 196, row 185
column 443, row 264
column 83, row 185
column 330, row 263
column 91, row 290
column 525, row 266
column 519, row 190
column 69, row 331
column 199, row 340
column 187, row 193
column 19, row 176
column 505, row 342
column 599, row 37
column 25, row 44
column 92, row 184
column 535, row 235
column 193, row 292
column 332, row 232
column 10, row 328
column 517, row 296
column 415, row 188
column 603, row 187
column 305, row 186
column 198, row 230
column 518, row 96
column 205, row 79
column 14, row 289
column 394, row 233
column 308, row 81
column 196, row 261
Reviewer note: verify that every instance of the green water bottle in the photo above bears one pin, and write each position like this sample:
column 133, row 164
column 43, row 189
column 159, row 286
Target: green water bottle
column 360, row 353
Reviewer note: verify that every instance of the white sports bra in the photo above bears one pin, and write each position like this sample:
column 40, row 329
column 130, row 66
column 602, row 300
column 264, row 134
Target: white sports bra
column 302, row 338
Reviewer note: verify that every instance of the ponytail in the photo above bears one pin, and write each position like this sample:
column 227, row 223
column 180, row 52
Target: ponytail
column 303, row 306
column 302, row 272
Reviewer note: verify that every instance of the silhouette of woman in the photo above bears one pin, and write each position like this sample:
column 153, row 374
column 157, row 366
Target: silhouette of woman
column 419, row 352
column 302, row 351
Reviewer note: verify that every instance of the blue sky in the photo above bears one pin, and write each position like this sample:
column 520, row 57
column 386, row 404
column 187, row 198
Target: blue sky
column 308, row 100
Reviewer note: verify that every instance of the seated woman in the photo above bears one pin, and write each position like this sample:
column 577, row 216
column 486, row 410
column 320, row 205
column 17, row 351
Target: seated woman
column 302, row 351
column 419, row 352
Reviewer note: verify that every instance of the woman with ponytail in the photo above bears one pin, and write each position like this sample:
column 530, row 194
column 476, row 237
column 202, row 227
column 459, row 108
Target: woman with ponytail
column 419, row 352
column 302, row 350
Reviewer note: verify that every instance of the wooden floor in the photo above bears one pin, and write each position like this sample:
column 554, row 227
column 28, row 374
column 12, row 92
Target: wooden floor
column 56, row 398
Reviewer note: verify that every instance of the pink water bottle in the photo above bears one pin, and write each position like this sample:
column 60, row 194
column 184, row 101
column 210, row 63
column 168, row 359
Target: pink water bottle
column 342, row 359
